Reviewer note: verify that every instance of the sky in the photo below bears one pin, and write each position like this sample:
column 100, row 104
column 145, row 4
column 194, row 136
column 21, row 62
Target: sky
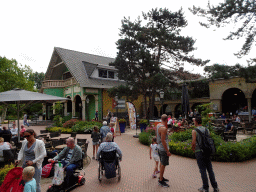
column 31, row 29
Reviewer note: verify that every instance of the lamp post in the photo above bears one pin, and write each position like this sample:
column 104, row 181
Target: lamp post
column 116, row 100
column 87, row 106
column 162, row 100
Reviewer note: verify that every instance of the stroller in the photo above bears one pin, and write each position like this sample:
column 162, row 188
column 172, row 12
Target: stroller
column 13, row 181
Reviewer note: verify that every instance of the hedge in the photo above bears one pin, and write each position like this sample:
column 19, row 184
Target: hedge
column 180, row 144
column 4, row 171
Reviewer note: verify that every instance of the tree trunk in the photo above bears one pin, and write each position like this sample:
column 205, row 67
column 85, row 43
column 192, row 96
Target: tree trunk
column 145, row 107
column 4, row 113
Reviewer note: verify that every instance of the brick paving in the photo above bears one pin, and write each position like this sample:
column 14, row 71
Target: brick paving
column 183, row 172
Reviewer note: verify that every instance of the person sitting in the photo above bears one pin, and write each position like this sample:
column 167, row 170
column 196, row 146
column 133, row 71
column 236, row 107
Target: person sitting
column 5, row 131
column 109, row 146
column 14, row 132
column 70, row 157
column 238, row 119
column 104, row 130
column 23, row 129
column 223, row 116
column 3, row 146
column 228, row 127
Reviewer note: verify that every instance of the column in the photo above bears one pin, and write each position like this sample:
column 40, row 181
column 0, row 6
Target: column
column 73, row 108
column 53, row 106
column 65, row 108
column 249, row 104
column 83, row 109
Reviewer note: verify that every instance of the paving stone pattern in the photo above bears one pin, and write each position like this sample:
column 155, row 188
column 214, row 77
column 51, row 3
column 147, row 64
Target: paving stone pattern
column 182, row 172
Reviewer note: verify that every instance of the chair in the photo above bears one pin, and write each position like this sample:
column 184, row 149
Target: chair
column 64, row 139
column 73, row 135
column 249, row 127
column 9, row 156
column 84, row 149
column 7, row 137
column 44, row 131
column 18, row 146
column 230, row 135
column 54, row 134
column 56, row 143
column 81, row 142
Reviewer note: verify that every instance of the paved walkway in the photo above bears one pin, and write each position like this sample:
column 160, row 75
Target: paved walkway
column 183, row 172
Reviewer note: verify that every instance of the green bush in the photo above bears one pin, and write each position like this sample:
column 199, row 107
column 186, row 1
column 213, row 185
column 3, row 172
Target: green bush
column 85, row 126
column 145, row 138
column 4, row 171
column 66, row 118
column 57, row 121
column 143, row 121
column 181, row 136
column 56, row 129
column 70, row 123
column 182, row 148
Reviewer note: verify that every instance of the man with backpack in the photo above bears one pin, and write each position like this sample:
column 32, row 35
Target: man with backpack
column 203, row 147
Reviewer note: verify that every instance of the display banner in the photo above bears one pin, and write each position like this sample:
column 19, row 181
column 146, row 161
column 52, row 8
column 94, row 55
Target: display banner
column 132, row 115
column 116, row 127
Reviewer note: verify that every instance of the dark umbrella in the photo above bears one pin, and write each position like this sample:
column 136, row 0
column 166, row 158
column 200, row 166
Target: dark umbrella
column 20, row 96
column 185, row 100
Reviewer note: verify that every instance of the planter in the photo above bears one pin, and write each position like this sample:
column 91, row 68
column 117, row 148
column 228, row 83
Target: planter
column 122, row 127
column 143, row 127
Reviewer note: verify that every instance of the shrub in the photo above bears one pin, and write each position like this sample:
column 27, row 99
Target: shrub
column 182, row 148
column 4, row 171
column 145, row 138
column 56, row 129
column 70, row 123
column 143, row 121
column 57, row 121
column 181, row 136
column 85, row 126
column 151, row 130
column 66, row 118
column 122, row 121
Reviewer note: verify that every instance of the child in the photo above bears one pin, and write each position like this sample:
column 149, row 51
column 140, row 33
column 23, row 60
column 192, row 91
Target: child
column 153, row 147
column 30, row 182
column 112, row 129
column 95, row 140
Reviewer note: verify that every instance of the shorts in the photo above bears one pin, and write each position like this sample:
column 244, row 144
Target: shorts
column 164, row 159
column 156, row 157
column 96, row 143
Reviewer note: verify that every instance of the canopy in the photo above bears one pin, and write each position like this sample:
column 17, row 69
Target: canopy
column 20, row 96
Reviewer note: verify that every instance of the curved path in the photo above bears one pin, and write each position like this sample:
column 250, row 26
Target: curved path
column 182, row 172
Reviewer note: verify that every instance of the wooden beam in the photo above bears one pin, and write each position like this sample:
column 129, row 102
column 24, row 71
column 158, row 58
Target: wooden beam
column 58, row 64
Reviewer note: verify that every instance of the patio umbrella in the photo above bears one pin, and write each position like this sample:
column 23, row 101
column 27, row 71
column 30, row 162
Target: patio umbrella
column 20, row 96
column 185, row 100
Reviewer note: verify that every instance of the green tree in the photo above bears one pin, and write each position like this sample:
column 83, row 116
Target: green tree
column 38, row 78
column 13, row 76
column 144, row 49
column 239, row 12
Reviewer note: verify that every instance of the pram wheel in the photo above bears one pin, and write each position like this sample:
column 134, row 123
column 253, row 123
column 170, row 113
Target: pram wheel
column 82, row 181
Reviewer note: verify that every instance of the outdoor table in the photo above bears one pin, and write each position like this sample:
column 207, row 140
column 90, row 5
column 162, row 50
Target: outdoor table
column 60, row 147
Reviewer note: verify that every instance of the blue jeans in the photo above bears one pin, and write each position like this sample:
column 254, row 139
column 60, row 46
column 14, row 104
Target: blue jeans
column 25, row 122
column 69, row 170
column 204, row 163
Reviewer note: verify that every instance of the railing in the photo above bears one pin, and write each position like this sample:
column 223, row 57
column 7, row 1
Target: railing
column 58, row 83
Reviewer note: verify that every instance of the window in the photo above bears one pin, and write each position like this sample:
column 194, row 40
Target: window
column 111, row 74
column 103, row 73
column 106, row 74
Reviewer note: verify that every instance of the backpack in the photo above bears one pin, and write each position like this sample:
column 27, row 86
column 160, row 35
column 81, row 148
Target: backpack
column 207, row 146
column 47, row 170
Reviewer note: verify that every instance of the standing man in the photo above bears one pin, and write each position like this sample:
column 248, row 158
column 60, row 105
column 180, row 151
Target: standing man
column 204, row 162
column 96, row 116
column 25, row 120
column 163, row 149
column 104, row 130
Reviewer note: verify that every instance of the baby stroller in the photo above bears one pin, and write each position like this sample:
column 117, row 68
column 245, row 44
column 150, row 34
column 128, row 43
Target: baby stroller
column 109, row 164
column 13, row 181
column 77, row 180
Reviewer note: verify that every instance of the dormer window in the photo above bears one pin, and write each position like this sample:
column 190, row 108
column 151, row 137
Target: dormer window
column 103, row 73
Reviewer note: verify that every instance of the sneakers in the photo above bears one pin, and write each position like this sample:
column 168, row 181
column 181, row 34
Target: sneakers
column 203, row 190
column 165, row 180
column 163, row 184
column 216, row 190
column 154, row 176
column 157, row 172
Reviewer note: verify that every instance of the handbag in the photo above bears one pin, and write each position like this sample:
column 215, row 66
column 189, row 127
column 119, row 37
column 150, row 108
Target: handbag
column 58, row 174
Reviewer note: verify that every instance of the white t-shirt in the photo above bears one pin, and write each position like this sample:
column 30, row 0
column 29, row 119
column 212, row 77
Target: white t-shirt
column 169, row 122
column 154, row 149
column 3, row 147
column 14, row 131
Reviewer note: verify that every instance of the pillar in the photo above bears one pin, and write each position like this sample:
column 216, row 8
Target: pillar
column 249, row 104
column 83, row 109
column 73, row 108
column 66, row 108
column 53, row 106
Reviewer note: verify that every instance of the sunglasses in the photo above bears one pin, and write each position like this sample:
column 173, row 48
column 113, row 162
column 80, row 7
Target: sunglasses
column 26, row 136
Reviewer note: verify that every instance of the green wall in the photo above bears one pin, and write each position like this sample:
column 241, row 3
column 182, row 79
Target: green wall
column 55, row 92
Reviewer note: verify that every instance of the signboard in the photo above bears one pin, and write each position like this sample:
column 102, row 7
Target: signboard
column 116, row 126
column 132, row 115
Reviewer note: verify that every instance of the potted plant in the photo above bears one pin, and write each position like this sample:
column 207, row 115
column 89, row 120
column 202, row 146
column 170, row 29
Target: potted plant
column 122, row 124
column 143, row 124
